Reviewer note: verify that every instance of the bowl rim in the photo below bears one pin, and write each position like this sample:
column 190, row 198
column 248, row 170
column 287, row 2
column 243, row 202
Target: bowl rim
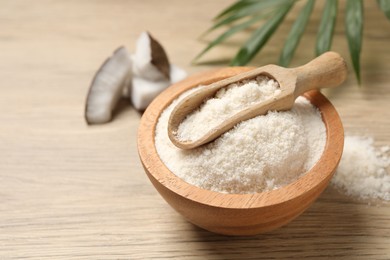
column 321, row 172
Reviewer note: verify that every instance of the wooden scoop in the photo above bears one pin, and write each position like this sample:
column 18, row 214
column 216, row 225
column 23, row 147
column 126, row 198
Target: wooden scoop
column 327, row 70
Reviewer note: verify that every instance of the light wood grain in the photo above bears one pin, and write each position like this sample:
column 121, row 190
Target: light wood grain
column 69, row 191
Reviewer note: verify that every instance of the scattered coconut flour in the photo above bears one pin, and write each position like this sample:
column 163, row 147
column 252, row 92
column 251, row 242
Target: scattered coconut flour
column 226, row 102
column 260, row 154
column 363, row 169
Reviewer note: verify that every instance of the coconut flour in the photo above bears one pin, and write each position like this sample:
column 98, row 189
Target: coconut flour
column 260, row 154
column 226, row 102
column 363, row 169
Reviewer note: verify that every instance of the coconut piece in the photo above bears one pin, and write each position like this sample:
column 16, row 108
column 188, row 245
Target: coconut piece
column 150, row 59
column 143, row 91
column 107, row 87
column 127, row 89
column 177, row 74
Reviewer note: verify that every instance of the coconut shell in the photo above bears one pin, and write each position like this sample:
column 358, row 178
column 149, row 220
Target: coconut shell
column 159, row 57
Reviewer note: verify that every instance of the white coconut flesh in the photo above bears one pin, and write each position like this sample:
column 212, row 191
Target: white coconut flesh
column 177, row 74
column 143, row 91
column 107, row 87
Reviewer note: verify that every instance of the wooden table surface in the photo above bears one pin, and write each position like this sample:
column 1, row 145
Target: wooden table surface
column 69, row 191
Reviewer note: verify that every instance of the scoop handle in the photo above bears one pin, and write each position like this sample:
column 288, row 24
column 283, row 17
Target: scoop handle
column 328, row 70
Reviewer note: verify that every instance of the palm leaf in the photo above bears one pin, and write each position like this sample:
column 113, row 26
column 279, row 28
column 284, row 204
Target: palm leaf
column 326, row 28
column 295, row 34
column 384, row 5
column 255, row 8
column 354, row 31
column 227, row 34
column 261, row 36
column 234, row 7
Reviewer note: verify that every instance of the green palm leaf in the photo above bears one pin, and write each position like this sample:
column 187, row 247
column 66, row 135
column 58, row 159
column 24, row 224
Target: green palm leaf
column 296, row 33
column 234, row 7
column 261, row 36
column 354, row 31
column 327, row 24
column 384, row 5
column 227, row 34
column 254, row 8
column 244, row 13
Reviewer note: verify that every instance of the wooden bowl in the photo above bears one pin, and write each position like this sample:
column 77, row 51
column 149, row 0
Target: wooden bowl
column 237, row 214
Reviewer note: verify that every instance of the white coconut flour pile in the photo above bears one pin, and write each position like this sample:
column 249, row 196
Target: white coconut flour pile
column 363, row 169
column 226, row 102
column 260, row 154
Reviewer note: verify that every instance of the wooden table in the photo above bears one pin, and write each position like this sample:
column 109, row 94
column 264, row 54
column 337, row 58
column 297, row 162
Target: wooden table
column 69, row 191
